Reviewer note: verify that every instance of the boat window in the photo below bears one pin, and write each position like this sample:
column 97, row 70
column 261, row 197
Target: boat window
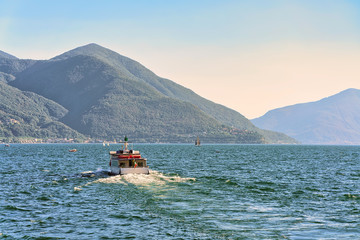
column 140, row 164
column 122, row 164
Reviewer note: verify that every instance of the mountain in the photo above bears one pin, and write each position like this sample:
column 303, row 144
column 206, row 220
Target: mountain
column 11, row 65
column 25, row 114
column 28, row 114
column 332, row 120
column 6, row 55
column 166, row 87
column 107, row 95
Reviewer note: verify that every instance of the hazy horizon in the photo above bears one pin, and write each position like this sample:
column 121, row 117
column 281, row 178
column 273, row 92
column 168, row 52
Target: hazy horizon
column 251, row 56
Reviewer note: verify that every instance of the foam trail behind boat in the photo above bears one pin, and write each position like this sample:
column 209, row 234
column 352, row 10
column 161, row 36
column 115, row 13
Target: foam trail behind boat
column 154, row 178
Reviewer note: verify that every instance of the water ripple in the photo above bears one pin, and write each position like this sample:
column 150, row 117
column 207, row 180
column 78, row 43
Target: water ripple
column 207, row 192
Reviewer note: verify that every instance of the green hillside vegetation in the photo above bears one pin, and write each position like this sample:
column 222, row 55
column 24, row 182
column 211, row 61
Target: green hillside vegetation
column 168, row 88
column 133, row 69
column 105, row 103
column 106, row 95
column 4, row 77
column 24, row 114
column 13, row 66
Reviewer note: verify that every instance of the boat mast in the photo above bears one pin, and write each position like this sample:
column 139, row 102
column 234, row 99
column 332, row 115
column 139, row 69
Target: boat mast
column 126, row 143
column 197, row 142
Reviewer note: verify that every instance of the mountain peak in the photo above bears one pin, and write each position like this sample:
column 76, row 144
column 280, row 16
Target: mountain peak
column 331, row 120
column 349, row 91
column 107, row 94
column 345, row 95
column 6, row 55
column 91, row 49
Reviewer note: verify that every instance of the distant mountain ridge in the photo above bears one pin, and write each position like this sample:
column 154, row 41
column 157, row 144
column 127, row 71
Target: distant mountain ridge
column 332, row 120
column 6, row 55
column 107, row 95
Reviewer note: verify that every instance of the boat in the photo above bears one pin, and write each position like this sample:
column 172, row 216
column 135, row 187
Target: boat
column 72, row 150
column 197, row 142
column 7, row 145
column 127, row 161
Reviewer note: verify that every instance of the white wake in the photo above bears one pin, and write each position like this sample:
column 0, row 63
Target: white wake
column 154, row 178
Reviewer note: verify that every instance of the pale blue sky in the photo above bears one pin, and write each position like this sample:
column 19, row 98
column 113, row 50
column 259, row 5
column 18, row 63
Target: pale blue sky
column 250, row 55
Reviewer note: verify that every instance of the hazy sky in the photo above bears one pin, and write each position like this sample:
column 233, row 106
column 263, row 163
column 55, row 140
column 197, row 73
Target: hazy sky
column 251, row 56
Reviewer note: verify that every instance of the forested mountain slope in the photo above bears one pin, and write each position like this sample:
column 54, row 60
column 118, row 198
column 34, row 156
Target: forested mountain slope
column 107, row 95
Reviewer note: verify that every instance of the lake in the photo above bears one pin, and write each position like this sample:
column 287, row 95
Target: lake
column 206, row 192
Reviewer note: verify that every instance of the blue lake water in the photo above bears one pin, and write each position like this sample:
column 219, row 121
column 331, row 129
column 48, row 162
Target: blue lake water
column 206, row 192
